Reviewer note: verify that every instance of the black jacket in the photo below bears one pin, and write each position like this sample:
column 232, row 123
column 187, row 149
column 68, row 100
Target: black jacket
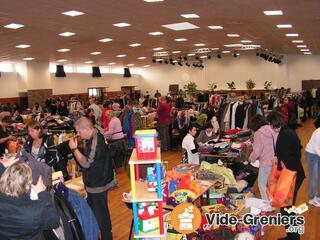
column 288, row 150
column 22, row 218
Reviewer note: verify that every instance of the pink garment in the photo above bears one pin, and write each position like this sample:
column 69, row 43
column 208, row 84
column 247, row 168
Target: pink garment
column 264, row 143
column 114, row 129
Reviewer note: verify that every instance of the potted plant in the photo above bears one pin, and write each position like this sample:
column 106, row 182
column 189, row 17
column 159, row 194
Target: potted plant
column 191, row 89
column 212, row 86
column 267, row 85
column 231, row 85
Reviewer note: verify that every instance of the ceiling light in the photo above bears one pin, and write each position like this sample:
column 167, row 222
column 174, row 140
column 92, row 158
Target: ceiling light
column 284, row 26
column 225, row 51
column 180, row 26
column 88, row 62
column 23, row 46
column 73, row 13
column 215, row 27
column 234, row 45
column 135, row 45
column 180, row 39
column 246, row 41
column 155, row 33
column 297, row 41
column 14, row 26
column 66, row 34
column 191, row 15
column 105, row 40
column 62, row 60
column 199, row 44
column 273, row 13
column 304, row 50
column 153, row 0
column 174, row 52
column 120, row 25
column 174, row 61
column 233, row 35
column 63, row 50
column 95, row 53
column 121, row 55
column 191, row 54
column 157, row 49
column 301, row 46
column 28, row 58
column 130, row 65
column 146, row 66
column 112, row 63
column 203, row 57
column 307, row 53
column 214, row 49
column 292, row 34
column 141, row 58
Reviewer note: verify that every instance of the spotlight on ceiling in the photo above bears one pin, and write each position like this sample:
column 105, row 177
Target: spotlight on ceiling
column 153, row 60
column 187, row 64
column 166, row 62
column 219, row 55
column 257, row 54
column 180, row 64
column 235, row 55
column 185, row 58
column 209, row 56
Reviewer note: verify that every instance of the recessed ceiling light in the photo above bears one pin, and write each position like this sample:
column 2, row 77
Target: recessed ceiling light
column 120, row 25
column 180, row 26
column 66, row 34
column 146, row 66
column 14, row 26
column 246, row 41
column 297, row 41
column 112, row 63
column 174, row 52
column 190, row 15
column 199, row 44
column 23, row 46
column 284, row 26
column 214, row 49
column 135, row 45
column 301, row 46
column 95, row 53
column 215, row 27
column 191, row 54
column 105, row 40
column 273, row 13
column 62, row 60
column 225, row 51
column 73, row 13
column 203, row 56
column 304, row 50
column 141, row 58
column 234, row 45
column 307, row 53
column 88, row 62
column 292, row 34
column 121, row 55
column 180, row 39
column 157, row 49
column 153, row 0
column 130, row 65
column 29, row 58
column 233, row 35
column 63, row 50
column 155, row 33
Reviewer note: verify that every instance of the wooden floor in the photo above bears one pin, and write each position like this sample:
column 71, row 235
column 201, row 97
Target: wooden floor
column 121, row 215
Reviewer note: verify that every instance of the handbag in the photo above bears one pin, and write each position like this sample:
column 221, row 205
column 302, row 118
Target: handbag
column 281, row 185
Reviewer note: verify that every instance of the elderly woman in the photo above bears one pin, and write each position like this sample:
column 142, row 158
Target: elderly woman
column 21, row 217
column 117, row 142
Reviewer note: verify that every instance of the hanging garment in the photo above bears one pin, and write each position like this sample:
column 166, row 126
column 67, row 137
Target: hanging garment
column 240, row 115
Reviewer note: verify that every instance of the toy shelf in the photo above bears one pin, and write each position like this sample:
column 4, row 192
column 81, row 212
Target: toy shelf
column 134, row 160
column 153, row 234
column 143, row 195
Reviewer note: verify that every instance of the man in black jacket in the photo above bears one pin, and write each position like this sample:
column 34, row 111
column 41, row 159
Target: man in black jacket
column 96, row 167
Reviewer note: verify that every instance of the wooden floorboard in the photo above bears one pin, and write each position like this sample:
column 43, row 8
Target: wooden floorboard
column 121, row 215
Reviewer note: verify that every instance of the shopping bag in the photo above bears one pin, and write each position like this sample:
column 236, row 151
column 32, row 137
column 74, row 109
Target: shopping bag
column 281, row 184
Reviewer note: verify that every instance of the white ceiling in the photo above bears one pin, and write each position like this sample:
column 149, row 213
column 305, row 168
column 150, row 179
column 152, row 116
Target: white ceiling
column 43, row 22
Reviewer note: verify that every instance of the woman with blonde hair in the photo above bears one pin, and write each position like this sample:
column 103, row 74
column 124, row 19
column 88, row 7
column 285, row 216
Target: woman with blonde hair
column 21, row 217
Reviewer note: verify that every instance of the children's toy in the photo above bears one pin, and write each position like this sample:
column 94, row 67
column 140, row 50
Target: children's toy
column 148, row 218
column 152, row 184
column 146, row 144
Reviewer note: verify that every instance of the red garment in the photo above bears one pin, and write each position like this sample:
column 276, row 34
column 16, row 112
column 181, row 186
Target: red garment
column 163, row 111
column 104, row 118
column 284, row 113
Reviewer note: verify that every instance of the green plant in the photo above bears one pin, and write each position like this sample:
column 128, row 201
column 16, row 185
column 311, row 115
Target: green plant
column 191, row 88
column 250, row 84
column 231, row 85
column 212, row 86
column 267, row 85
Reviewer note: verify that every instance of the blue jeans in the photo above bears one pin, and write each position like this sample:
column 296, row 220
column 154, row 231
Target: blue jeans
column 314, row 171
column 263, row 177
